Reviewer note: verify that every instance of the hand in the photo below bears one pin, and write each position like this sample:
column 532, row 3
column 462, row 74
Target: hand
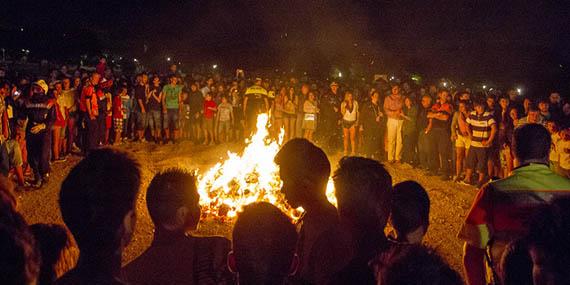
column 37, row 128
column 164, row 111
column 485, row 142
column 378, row 119
column 335, row 109
column 454, row 137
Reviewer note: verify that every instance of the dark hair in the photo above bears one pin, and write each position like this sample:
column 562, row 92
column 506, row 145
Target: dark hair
column 531, row 142
column 19, row 258
column 363, row 189
column 96, row 196
column 167, row 192
column 417, row 264
column 264, row 242
column 410, row 208
column 306, row 159
column 549, row 234
column 516, row 264
column 58, row 250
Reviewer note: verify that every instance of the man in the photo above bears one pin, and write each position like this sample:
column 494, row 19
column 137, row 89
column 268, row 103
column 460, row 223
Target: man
column 482, row 132
column 10, row 151
column 393, row 106
column 544, row 108
column 263, row 246
column 425, row 139
column 410, row 212
column 501, row 208
column 90, row 112
column 533, row 117
column 196, row 103
column 305, row 169
column 100, row 215
column 175, row 257
column 329, row 116
column 140, row 108
column 155, row 109
column 40, row 112
column 372, row 119
column 440, row 114
column 208, row 88
column 254, row 103
column 555, row 105
column 171, row 108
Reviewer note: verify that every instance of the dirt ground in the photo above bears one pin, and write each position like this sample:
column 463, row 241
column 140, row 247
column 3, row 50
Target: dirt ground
column 449, row 201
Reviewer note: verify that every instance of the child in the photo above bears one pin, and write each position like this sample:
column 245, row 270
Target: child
column 410, row 212
column 225, row 119
column 310, row 118
column 185, row 116
column 554, row 155
column 119, row 116
column 563, row 149
column 209, row 112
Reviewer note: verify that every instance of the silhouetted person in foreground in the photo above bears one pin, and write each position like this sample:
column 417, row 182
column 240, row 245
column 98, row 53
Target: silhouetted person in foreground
column 263, row 246
column 97, row 202
column 410, row 212
column 305, row 170
column 363, row 189
column 58, row 250
column 502, row 208
column 414, row 265
column 176, row 257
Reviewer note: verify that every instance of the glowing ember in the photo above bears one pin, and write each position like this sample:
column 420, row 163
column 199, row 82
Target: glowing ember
column 251, row 177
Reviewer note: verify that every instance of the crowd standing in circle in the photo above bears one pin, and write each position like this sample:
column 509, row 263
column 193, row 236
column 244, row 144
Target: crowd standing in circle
column 517, row 152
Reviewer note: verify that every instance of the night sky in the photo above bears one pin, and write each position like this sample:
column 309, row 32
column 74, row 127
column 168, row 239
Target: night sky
column 506, row 42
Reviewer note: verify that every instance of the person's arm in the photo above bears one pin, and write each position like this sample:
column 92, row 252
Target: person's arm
column 266, row 103
column 245, row 98
column 163, row 103
column 474, row 264
column 454, row 123
column 492, row 135
column 141, row 105
column 343, row 108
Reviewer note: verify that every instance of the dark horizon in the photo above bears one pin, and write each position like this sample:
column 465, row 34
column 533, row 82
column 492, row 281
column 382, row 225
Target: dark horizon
column 506, row 43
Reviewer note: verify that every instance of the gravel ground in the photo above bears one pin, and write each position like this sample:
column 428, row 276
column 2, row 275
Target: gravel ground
column 449, row 201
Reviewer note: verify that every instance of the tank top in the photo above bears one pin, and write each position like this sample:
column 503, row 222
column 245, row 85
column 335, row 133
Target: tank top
column 350, row 115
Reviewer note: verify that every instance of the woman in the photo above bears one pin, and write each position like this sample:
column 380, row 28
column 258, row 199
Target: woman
column 310, row 115
column 349, row 112
column 511, row 122
column 409, row 132
column 290, row 114
column 460, row 137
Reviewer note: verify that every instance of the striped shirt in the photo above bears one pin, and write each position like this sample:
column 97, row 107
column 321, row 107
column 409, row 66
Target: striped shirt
column 480, row 127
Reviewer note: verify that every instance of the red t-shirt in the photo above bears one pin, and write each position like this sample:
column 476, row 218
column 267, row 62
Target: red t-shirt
column 89, row 93
column 209, row 114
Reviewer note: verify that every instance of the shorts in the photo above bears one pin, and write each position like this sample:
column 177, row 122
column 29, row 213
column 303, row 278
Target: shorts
column 62, row 131
column 118, row 124
column 463, row 142
column 140, row 120
column 14, row 153
column 477, row 159
column 348, row 124
column 309, row 122
column 209, row 124
column 224, row 126
column 155, row 120
column 171, row 119
column 493, row 154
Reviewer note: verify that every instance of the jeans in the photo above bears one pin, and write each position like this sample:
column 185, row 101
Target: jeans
column 39, row 146
column 394, row 128
column 155, row 120
column 442, row 150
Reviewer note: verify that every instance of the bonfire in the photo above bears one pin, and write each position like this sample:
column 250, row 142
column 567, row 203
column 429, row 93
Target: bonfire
column 250, row 177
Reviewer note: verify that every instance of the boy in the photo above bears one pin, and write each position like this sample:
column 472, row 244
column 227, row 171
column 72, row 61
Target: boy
column 410, row 212
column 264, row 242
column 482, row 130
column 174, row 256
column 209, row 112
column 225, row 119
column 185, row 116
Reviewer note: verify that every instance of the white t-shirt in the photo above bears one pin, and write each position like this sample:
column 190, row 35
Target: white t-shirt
column 350, row 115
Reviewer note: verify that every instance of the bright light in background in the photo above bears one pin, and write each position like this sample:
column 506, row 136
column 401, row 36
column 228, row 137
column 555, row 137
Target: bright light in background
column 444, row 84
column 519, row 90
column 135, row 60
column 484, row 87
column 339, row 74
column 392, row 77
column 168, row 58
column 214, row 66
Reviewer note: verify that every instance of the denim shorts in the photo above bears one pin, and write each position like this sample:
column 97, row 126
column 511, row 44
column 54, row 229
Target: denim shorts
column 171, row 120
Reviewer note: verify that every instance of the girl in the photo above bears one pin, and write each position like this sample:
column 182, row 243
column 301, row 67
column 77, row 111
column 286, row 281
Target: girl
column 349, row 111
column 310, row 115
column 290, row 114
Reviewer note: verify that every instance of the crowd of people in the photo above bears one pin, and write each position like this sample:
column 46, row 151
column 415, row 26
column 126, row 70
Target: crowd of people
column 454, row 134
column 517, row 227
column 516, row 150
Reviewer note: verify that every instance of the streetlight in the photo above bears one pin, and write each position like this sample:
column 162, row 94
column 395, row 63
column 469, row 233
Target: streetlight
column 168, row 58
column 214, row 66
column 519, row 90
column 484, row 87
column 339, row 74
column 135, row 60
